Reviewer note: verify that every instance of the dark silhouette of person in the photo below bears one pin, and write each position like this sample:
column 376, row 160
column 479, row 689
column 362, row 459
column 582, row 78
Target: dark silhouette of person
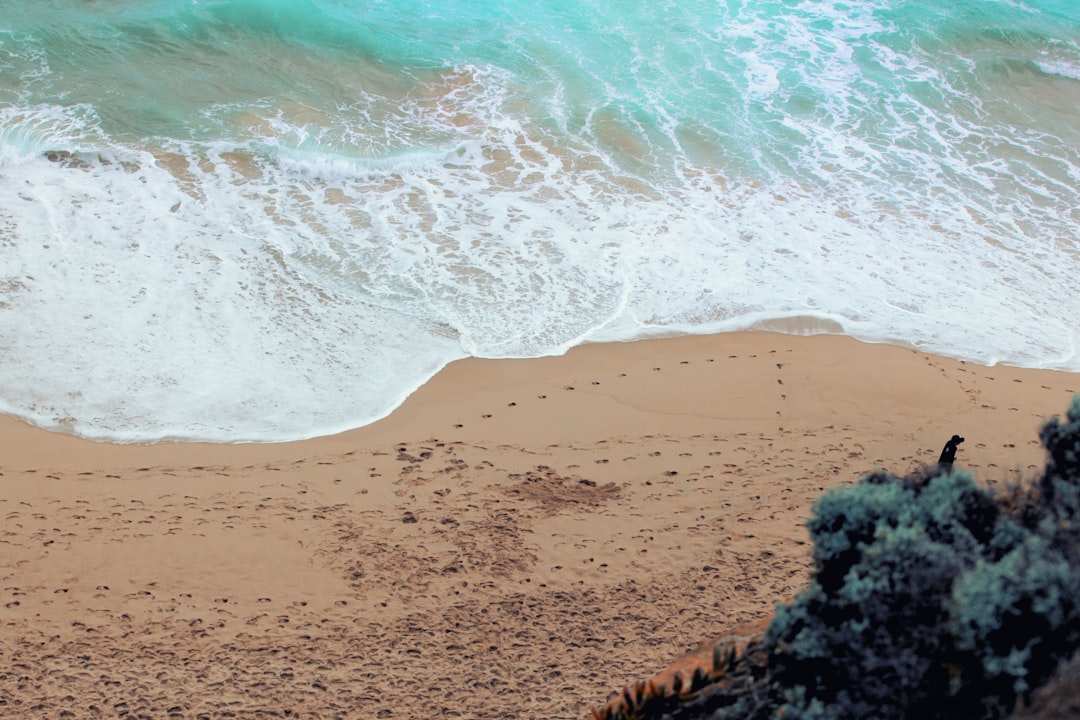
column 948, row 453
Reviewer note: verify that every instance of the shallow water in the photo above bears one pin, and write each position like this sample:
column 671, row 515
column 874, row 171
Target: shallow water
column 255, row 220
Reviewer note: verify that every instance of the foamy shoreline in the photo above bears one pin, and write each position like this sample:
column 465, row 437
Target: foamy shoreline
column 551, row 528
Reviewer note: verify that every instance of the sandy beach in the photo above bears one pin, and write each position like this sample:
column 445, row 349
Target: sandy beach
column 519, row 540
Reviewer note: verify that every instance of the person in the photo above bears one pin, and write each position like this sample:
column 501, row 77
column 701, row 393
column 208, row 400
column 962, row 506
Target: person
column 948, row 453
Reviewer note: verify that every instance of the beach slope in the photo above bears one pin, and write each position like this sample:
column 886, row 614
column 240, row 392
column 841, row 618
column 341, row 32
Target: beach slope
column 518, row 540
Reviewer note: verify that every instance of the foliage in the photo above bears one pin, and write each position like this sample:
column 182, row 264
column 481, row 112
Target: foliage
column 934, row 597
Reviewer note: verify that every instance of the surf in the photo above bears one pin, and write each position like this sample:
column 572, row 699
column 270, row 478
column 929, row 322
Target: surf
column 261, row 221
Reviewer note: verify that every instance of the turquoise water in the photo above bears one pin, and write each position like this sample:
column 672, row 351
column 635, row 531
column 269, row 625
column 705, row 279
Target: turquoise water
column 266, row 220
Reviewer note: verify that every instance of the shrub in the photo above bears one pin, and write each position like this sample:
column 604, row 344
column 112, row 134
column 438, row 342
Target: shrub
column 1012, row 622
column 933, row 597
column 1058, row 502
column 868, row 637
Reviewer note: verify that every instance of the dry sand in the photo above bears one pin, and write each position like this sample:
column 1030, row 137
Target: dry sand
column 519, row 540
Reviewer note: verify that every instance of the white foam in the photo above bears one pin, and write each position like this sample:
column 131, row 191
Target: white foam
column 279, row 302
column 179, row 319
column 1065, row 67
column 308, row 270
column 28, row 131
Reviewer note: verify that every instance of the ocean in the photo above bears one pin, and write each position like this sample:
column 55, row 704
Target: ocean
column 265, row 220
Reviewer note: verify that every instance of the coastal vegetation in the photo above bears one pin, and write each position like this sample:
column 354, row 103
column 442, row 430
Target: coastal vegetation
column 932, row 596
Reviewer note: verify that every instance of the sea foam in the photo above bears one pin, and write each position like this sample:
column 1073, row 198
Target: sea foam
column 336, row 215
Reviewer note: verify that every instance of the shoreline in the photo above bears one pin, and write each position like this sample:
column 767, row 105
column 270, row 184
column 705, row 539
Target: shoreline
column 553, row 528
column 800, row 326
column 487, row 375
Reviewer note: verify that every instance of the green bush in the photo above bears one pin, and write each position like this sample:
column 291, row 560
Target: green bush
column 1014, row 619
column 932, row 597
column 1058, row 502
column 872, row 626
